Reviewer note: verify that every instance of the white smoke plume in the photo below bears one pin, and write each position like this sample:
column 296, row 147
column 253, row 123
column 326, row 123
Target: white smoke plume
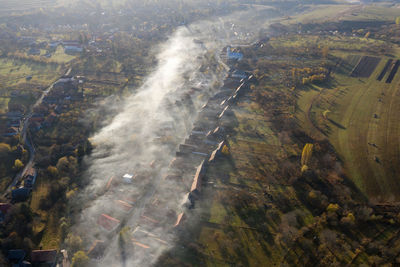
column 142, row 140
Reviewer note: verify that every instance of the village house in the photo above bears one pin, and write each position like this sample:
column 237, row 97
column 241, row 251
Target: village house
column 16, row 256
column 197, row 180
column 12, row 131
column 30, row 178
column 44, row 258
column 123, row 205
column 179, row 220
column 233, row 55
column 128, row 178
column 20, row 194
column 217, row 152
column 107, row 222
column 239, row 74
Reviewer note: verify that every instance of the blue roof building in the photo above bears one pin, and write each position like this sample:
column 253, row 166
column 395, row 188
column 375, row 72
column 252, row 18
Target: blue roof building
column 233, row 55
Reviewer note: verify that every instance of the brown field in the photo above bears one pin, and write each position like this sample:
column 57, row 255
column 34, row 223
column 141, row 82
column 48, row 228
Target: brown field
column 365, row 67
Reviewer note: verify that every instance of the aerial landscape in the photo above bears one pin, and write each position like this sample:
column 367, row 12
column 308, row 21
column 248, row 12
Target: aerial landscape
column 199, row 133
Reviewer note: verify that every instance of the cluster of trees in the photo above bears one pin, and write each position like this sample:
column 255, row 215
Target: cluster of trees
column 11, row 159
column 309, row 75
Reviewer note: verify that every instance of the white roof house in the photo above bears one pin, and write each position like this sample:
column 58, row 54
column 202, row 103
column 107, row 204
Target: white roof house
column 128, row 178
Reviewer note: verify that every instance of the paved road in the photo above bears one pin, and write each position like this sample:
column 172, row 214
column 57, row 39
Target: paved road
column 27, row 141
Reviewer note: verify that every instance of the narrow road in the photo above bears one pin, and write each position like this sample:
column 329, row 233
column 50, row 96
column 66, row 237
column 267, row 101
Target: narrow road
column 27, row 141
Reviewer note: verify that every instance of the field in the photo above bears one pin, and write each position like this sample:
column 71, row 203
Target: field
column 365, row 67
column 362, row 125
column 14, row 72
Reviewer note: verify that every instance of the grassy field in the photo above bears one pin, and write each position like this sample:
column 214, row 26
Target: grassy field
column 14, row 71
column 45, row 223
column 363, row 127
column 60, row 57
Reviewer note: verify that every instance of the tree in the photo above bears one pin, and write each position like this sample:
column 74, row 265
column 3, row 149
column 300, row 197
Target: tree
column 4, row 150
column 74, row 242
column 18, row 165
column 80, row 259
column 52, row 171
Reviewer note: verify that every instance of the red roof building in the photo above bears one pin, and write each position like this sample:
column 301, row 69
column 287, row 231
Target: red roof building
column 107, row 222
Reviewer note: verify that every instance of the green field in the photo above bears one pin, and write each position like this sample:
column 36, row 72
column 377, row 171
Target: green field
column 363, row 127
column 14, row 71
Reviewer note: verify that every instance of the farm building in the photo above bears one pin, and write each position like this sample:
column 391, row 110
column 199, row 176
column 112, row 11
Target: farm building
column 44, row 257
column 196, row 185
column 107, row 222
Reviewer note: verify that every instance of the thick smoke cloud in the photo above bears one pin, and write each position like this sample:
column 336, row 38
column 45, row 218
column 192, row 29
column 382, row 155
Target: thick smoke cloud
column 143, row 137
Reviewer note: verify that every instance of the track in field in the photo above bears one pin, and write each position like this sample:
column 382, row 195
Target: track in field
column 365, row 67
column 384, row 70
column 393, row 72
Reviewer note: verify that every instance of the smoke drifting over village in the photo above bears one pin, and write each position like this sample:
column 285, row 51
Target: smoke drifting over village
column 138, row 188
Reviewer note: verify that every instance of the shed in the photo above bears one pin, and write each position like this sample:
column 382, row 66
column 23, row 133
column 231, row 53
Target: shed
column 16, row 255
column 41, row 257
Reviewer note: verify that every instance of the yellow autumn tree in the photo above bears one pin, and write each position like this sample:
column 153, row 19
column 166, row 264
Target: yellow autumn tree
column 306, row 156
column 225, row 150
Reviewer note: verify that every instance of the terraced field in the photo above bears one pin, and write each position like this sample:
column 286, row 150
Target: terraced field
column 363, row 126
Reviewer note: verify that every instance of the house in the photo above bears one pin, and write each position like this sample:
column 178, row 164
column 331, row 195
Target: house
column 180, row 219
column 14, row 123
column 20, row 194
column 14, row 115
column 107, row 222
column 96, row 251
column 34, row 51
column 16, row 256
column 53, row 45
column 217, row 151
column 233, row 55
column 123, row 205
column 37, row 117
column 127, row 178
column 65, row 260
column 12, row 131
column 196, row 185
column 72, row 49
column 239, row 74
column 30, row 178
column 43, row 258
column 223, row 112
